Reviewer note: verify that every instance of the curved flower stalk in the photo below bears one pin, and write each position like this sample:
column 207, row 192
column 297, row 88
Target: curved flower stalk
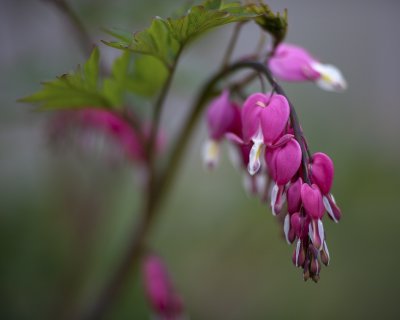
column 271, row 131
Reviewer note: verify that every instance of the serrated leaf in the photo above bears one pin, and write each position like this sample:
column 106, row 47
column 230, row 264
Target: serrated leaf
column 165, row 38
column 274, row 23
column 77, row 89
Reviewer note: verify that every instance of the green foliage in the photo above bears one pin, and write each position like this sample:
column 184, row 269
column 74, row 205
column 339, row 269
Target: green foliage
column 275, row 24
column 77, row 89
column 85, row 88
column 165, row 38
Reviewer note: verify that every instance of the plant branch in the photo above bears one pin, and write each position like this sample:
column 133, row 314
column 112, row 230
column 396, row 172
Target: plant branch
column 158, row 188
column 80, row 33
column 232, row 44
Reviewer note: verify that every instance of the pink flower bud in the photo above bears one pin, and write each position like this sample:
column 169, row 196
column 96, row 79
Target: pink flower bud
column 162, row 298
column 295, row 223
column 312, row 201
column 299, row 254
column 268, row 112
column 317, row 233
column 284, row 162
column 294, row 196
column 322, row 171
column 325, row 257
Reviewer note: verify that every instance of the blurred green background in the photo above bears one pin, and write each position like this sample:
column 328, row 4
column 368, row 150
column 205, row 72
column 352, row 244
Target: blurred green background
column 65, row 217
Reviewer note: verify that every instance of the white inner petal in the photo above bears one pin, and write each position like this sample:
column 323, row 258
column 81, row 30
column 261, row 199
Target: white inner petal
column 210, row 154
column 331, row 78
column 328, row 208
column 274, row 195
column 286, row 227
column 321, row 232
column 298, row 246
column 256, row 152
column 327, row 251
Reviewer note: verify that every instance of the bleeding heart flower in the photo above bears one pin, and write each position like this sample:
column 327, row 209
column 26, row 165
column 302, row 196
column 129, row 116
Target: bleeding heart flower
column 312, row 201
column 294, row 63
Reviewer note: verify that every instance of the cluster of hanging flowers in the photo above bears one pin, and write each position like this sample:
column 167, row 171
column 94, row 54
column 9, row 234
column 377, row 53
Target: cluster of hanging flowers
column 273, row 154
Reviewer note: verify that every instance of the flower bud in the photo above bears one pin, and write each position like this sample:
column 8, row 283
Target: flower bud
column 159, row 290
column 222, row 115
column 294, row 196
column 325, row 257
column 316, row 233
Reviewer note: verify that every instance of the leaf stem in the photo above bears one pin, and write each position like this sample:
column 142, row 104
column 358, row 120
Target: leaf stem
column 232, row 44
column 81, row 33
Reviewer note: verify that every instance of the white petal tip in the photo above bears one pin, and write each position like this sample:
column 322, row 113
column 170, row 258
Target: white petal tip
column 210, row 154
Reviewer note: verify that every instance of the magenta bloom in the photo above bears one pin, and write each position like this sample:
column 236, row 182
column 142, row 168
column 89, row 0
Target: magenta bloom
column 294, row 196
column 114, row 125
column 264, row 118
column 294, row 63
column 312, row 201
column 283, row 162
column 91, row 122
column 159, row 290
column 223, row 116
column 322, row 172
column 267, row 112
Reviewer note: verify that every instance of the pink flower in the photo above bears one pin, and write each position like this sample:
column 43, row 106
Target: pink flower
column 223, row 116
column 264, row 118
column 294, row 63
column 159, row 290
column 90, row 124
column 312, row 201
column 283, row 162
column 322, row 171
column 294, row 196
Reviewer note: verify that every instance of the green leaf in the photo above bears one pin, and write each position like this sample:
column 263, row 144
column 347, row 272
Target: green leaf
column 165, row 38
column 77, row 89
column 144, row 77
column 274, row 23
column 148, row 77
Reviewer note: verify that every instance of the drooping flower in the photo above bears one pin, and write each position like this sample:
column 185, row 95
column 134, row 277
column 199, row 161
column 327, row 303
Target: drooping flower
column 264, row 118
column 165, row 302
column 294, row 63
column 222, row 116
column 322, row 172
column 89, row 124
column 282, row 163
column 312, row 201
